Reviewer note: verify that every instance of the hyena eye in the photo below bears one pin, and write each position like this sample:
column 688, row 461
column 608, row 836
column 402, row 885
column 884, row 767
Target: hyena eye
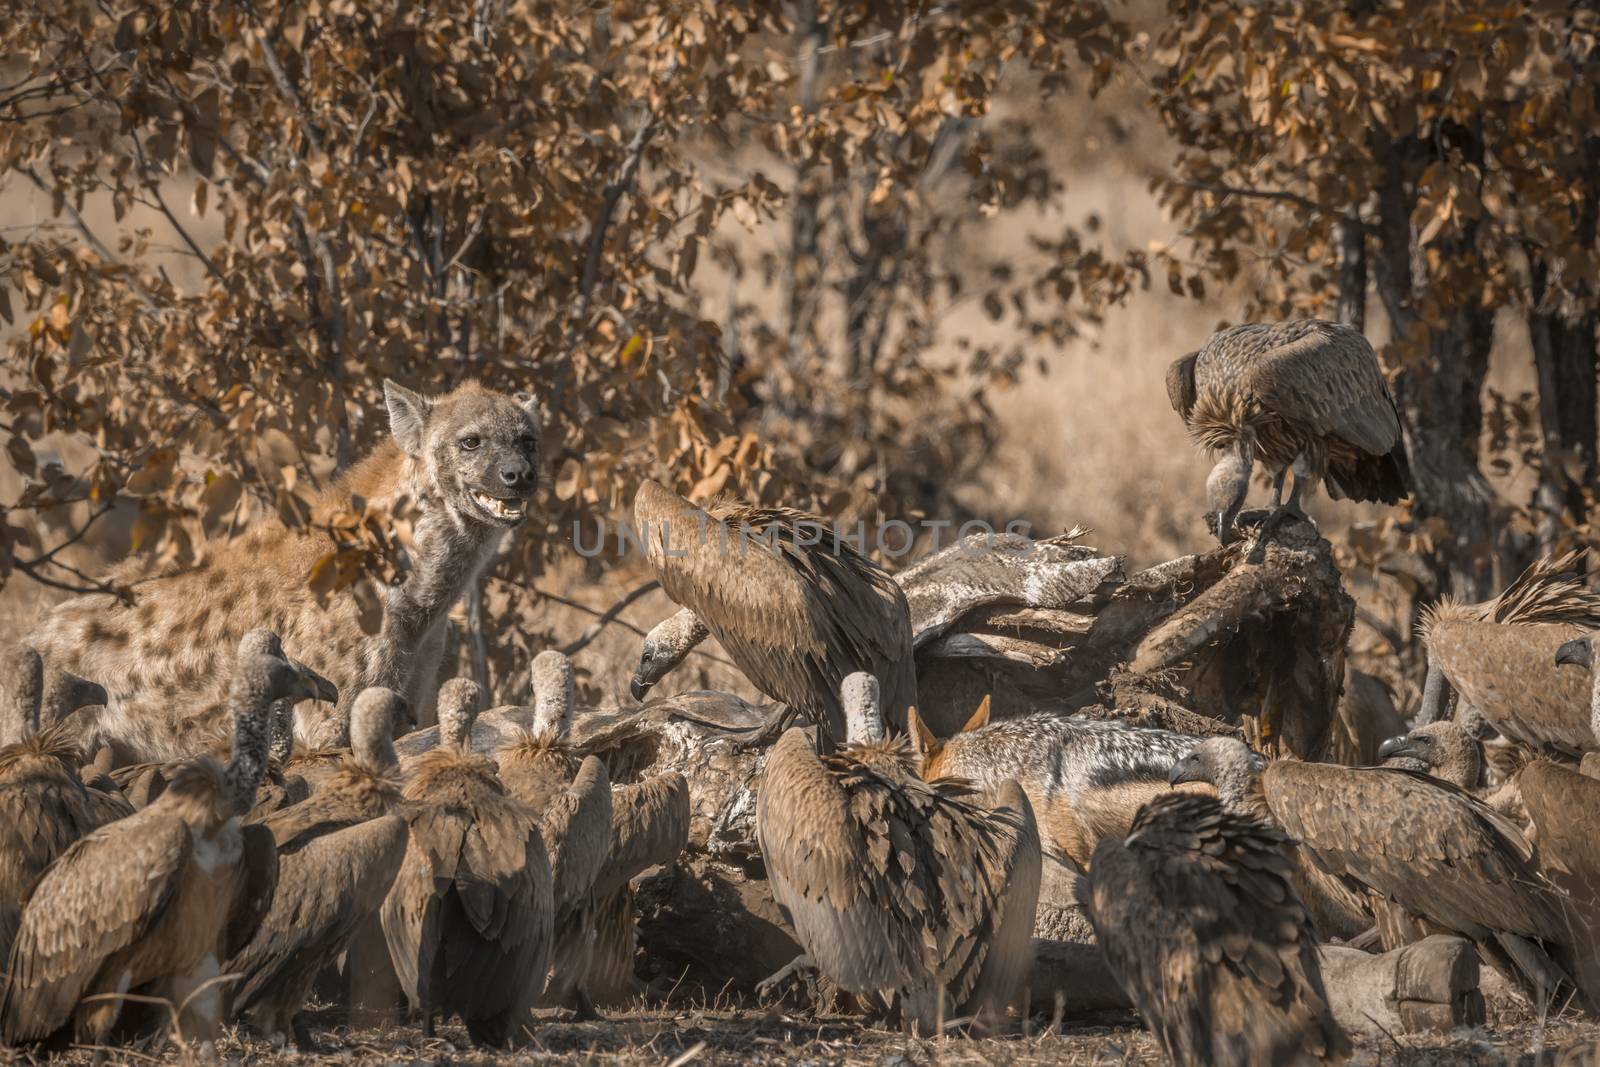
column 527, row 443
column 470, row 443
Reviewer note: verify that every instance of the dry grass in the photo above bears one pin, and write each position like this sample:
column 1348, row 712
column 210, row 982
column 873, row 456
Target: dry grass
column 714, row 1037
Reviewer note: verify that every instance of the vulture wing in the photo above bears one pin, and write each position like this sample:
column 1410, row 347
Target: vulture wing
column 325, row 890
column 848, row 865
column 1180, row 385
column 1564, row 807
column 411, row 913
column 1439, row 853
column 101, row 896
column 258, row 885
column 995, row 885
column 1509, row 673
column 576, row 829
column 1200, row 924
column 649, row 826
column 1322, row 375
column 796, row 608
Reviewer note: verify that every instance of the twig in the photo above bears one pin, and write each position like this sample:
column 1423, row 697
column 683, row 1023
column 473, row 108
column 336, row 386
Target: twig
column 75, row 538
column 609, row 198
column 77, row 220
column 608, row 617
column 1275, row 194
column 153, row 186
column 27, row 567
column 286, row 87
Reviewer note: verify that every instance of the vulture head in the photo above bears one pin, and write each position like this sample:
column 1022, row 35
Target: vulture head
column 1578, row 652
column 24, row 684
column 372, row 723
column 665, row 646
column 65, row 693
column 1226, row 763
column 1226, row 488
column 262, row 677
column 554, row 692
column 1441, row 749
column 460, row 700
column 309, row 686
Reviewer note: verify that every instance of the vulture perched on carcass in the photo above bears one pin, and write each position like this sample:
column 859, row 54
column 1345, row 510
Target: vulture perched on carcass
column 1307, row 395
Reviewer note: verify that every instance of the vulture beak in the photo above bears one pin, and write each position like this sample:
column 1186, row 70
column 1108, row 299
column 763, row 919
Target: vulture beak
column 638, row 688
column 313, row 685
column 1188, row 769
column 1397, row 746
column 1576, row 651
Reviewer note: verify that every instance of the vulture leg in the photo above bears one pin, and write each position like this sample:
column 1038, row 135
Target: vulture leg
column 583, row 1006
column 1277, row 488
column 767, row 734
column 792, row 969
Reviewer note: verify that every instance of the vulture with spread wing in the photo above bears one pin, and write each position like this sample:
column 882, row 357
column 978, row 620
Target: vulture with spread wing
column 1431, row 857
column 795, row 605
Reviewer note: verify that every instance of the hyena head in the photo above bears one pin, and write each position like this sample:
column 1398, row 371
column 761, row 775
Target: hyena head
column 481, row 449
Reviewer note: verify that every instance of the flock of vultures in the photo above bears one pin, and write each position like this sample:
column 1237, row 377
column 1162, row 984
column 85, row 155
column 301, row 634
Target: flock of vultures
column 221, row 797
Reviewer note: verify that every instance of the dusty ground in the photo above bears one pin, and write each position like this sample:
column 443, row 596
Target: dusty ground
column 714, row 1037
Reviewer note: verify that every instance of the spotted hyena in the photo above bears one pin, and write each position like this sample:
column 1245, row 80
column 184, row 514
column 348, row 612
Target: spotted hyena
column 468, row 460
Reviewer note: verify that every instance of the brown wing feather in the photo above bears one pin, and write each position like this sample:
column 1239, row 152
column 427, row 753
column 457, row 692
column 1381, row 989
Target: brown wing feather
column 797, row 618
column 1433, row 849
column 649, row 826
column 576, row 829
column 98, row 898
column 1199, row 922
column 259, row 866
column 1564, row 807
column 1321, row 375
column 1180, row 385
column 1509, row 673
column 892, row 884
column 325, row 891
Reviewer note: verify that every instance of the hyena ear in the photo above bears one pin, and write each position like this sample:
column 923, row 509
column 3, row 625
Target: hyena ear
column 408, row 413
column 980, row 718
column 527, row 402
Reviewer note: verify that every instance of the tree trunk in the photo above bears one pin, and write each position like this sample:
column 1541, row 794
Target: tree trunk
column 1442, row 368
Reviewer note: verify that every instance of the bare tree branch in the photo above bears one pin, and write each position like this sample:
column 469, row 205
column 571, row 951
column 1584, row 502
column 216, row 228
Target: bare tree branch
column 608, row 205
column 608, row 617
column 1344, row 217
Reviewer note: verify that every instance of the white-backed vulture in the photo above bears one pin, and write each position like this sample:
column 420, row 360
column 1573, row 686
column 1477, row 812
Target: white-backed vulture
column 1307, row 395
column 338, row 853
column 1501, row 658
column 468, row 919
column 1439, row 860
column 44, row 805
column 1564, row 806
column 1085, row 778
column 1445, row 751
column 573, row 803
column 1197, row 916
column 796, row 607
column 896, row 888
column 153, row 903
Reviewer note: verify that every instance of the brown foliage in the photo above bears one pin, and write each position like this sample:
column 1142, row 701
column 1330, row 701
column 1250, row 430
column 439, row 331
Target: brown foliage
column 532, row 194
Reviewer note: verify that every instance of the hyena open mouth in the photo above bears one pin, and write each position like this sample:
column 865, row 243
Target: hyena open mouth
column 506, row 510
